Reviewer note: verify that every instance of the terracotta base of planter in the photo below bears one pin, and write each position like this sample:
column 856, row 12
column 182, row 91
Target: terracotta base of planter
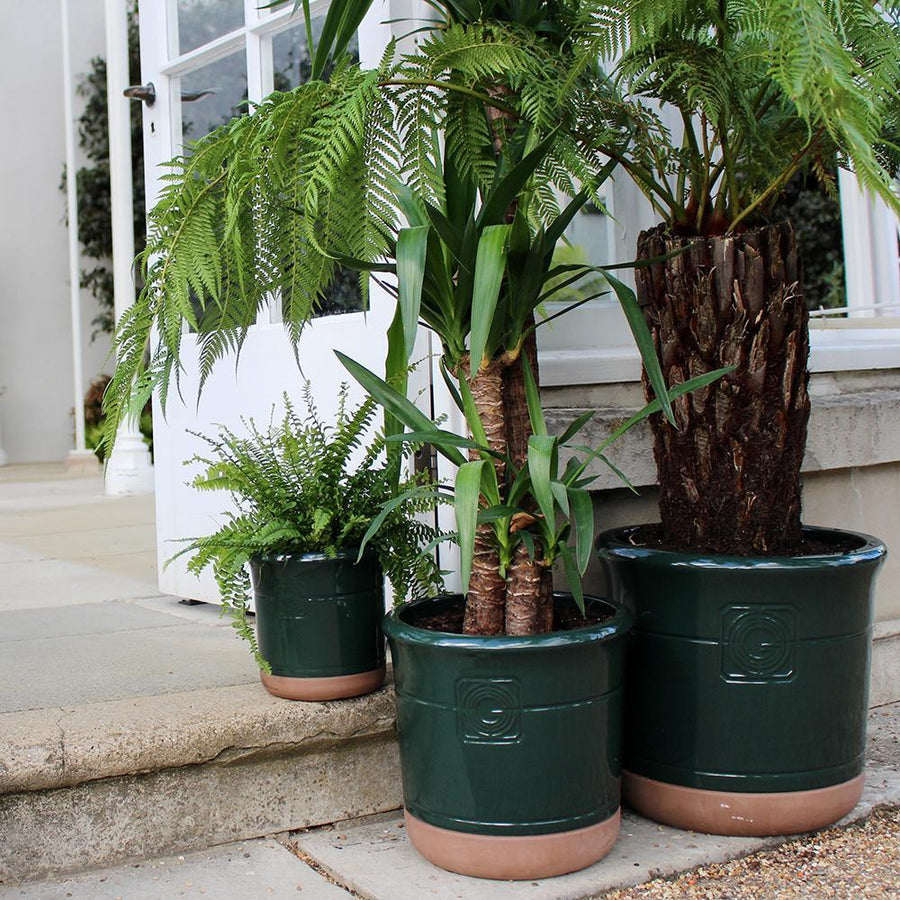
column 519, row 858
column 333, row 688
column 740, row 814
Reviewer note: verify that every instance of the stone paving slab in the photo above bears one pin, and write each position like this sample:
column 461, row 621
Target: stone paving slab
column 100, row 664
column 252, row 870
column 51, row 583
column 80, row 619
column 373, row 857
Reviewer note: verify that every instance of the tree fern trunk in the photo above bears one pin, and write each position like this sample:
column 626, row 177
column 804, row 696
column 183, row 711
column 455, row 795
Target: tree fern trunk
column 486, row 599
column 729, row 473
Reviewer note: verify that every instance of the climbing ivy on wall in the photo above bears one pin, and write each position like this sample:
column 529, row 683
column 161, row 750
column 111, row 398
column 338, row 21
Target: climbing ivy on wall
column 94, row 229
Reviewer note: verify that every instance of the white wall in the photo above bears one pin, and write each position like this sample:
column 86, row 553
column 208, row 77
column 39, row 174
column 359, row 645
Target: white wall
column 35, row 329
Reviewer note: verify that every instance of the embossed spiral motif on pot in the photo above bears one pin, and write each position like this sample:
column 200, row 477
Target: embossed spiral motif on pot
column 757, row 643
column 489, row 710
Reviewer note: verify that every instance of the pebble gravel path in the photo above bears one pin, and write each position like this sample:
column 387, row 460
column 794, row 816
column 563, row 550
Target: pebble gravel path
column 859, row 861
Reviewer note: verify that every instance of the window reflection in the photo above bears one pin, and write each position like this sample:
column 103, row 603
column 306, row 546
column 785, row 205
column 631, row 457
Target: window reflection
column 202, row 21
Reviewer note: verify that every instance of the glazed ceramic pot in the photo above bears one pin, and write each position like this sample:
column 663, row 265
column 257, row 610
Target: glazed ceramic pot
column 510, row 746
column 318, row 624
column 747, row 682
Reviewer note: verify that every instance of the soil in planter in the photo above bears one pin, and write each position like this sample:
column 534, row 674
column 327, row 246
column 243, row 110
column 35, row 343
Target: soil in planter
column 566, row 618
column 650, row 537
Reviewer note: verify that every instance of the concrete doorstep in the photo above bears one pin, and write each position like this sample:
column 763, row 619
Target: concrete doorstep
column 370, row 857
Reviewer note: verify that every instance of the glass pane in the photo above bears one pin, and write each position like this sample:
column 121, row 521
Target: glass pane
column 589, row 234
column 291, row 57
column 202, row 21
column 291, row 67
column 227, row 77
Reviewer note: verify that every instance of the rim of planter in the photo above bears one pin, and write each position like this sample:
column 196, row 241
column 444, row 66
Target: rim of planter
column 615, row 543
column 287, row 555
column 395, row 626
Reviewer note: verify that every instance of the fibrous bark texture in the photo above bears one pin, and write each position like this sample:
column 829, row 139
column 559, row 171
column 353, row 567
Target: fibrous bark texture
column 486, row 599
column 529, row 599
column 729, row 471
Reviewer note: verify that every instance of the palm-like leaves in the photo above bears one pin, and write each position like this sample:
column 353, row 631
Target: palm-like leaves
column 267, row 204
column 763, row 87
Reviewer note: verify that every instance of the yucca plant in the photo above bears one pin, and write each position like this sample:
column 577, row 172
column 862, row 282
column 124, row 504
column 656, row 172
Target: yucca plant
column 760, row 91
column 486, row 127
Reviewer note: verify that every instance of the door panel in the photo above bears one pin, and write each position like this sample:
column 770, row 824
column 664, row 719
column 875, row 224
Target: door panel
column 232, row 48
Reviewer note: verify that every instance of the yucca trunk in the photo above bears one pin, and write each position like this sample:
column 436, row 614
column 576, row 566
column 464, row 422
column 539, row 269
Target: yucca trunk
column 729, row 472
column 521, row 603
column 486, row 599
column 529, row 600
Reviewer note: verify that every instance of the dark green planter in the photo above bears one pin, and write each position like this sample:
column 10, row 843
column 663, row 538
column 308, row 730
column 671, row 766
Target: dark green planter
column 318, row 624
column 747, row 678
column 509, row 746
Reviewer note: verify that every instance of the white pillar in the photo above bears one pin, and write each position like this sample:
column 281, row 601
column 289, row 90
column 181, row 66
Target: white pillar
column 80, row 458
column 4, row 459
column 129, row 469
column 872, row 273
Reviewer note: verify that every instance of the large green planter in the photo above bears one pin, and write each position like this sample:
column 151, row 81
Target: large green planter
column 318, row 624
column 509, row 746
column 747, row 683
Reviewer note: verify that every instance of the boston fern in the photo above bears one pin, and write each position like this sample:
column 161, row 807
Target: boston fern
column 297, row 493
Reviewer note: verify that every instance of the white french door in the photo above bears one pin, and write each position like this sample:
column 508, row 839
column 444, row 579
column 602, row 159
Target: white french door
column 205, row 59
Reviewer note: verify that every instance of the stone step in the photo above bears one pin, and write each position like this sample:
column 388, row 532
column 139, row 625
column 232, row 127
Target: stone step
column 98, row 783
column 371, row 858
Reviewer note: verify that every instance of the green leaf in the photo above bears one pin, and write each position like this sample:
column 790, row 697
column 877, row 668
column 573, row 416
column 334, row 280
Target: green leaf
column 466, row 499
column 572, row 576
column 501, row 196
column 576, row 426
column 490, row 263
column 410, row 204
column 470, row 411
column 341, row 23
column 583, row 519
column 644, row 341
column 396, row 403
column 397, row 373
column 533, row 398
column 541, row 448
column 412, row 244
column 441, row 438
column 493, row 513
column 562, row 498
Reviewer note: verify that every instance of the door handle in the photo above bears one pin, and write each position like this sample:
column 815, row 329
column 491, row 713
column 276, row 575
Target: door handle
column 147, row 93
column 191, row 96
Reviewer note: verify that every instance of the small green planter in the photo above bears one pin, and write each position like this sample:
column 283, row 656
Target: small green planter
column 318, row 624
column 509, row 746
column 747, row 683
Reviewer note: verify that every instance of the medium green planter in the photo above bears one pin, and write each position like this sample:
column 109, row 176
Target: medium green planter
column 318, row 624
column 747, row 683
column 509, row 746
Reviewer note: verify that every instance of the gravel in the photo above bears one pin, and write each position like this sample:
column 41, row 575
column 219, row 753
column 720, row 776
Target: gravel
column 861, row 860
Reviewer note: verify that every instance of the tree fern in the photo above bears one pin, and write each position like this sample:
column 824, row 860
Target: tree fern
column 263, row 207
column 764, row 88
